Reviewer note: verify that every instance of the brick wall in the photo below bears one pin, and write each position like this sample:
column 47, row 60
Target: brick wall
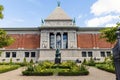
column 92, row 41
column 26, row 41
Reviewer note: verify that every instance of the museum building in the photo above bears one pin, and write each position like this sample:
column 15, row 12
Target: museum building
column 57, row 31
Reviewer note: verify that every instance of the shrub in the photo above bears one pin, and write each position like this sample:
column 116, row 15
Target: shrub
column 29, row 73
column 5, row 68
column 31, row 61
column 77, row 73
column 10, row 60
column 91, row 62
column 84, row 62
column 46, row 64
column 106, row 67
column 49, row 68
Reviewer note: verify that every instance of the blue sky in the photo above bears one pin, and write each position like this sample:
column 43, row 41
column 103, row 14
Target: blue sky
column 88, row 13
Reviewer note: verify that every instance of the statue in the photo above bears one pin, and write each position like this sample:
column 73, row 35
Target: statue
column 116, row 56
column 42, row 21
column 58, row 2
column 57, row 57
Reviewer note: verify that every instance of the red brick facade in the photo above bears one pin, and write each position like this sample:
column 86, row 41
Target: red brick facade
column 91, row 41
column 26, row 41
column 32, row 41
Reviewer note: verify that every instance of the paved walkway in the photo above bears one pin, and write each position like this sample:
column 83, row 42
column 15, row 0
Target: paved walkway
column 95, row 74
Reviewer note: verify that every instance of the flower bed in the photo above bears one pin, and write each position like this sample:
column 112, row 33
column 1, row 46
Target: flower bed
column 47, row 68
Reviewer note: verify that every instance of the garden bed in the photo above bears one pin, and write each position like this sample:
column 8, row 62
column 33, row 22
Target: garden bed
column 6, row 68
column 47, row 68
column 105, row 67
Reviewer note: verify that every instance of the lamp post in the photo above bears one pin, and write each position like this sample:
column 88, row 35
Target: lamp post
column 116, row 55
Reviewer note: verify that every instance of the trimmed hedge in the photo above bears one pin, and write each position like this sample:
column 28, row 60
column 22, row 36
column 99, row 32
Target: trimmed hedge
column 21, row 64
column 6, row 68
column 106, row 69
column 60, row 66
column 31, row 73
column 73, row 73
column 47, row 68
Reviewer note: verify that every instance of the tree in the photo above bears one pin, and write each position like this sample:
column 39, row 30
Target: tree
column 1, row 9
column 110, row 33
column 5, row 40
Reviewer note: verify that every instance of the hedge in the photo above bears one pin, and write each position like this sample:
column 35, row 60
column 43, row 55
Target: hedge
column 60, row 66
column 73, row 73
column 6, row 68
column 31, row 73
column 106, row 69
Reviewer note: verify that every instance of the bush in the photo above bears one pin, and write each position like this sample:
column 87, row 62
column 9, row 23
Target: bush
column 91, row 62
column 61, row 66
column 30, row 73
column 84, row 62
column 31, row 61
column 49, row 68
column 5, row 68
column 77, row 73
column 106, row 67
column 10, row 60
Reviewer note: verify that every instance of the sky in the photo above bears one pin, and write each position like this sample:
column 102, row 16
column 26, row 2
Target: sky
column 88, row 13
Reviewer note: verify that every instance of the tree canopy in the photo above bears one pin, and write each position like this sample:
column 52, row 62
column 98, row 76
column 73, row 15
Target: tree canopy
column 1, row 10
column 5, row 40
column 110, row 33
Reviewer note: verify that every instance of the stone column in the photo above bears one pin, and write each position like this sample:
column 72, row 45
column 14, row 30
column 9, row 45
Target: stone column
column 48, row 46
column 61, row 40
column 55, row 40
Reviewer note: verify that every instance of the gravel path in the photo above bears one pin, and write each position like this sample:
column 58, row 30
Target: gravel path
column 95, row 74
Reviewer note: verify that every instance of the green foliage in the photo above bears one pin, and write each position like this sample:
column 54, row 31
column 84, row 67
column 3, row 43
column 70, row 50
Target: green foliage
column 106, row 67
column 84, row 62
column 91, row 62
column 31, row 61
column 29, row 73
column 109, row 34
column 5, row 68
column 30, row 68
column 20, row 64
column 5, row 40
column 24, row 60
column 10, row 60
column 73, row 73
column 0, row 53
column 67, row 68
column 46, row 64
column 1, row 9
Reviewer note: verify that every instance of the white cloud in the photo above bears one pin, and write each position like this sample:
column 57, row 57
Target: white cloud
column 99, row 21
column 110, row 25
column 105, row 7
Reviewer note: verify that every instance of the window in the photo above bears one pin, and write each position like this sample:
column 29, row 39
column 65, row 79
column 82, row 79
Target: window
column 32, row 54
column 65, row 41
column 108, row 53
column 7, row 54
column 102, row 54
column 14, row 54
column 52, row 41
column 26, row 54
column 84, row 54
column 90, row 54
